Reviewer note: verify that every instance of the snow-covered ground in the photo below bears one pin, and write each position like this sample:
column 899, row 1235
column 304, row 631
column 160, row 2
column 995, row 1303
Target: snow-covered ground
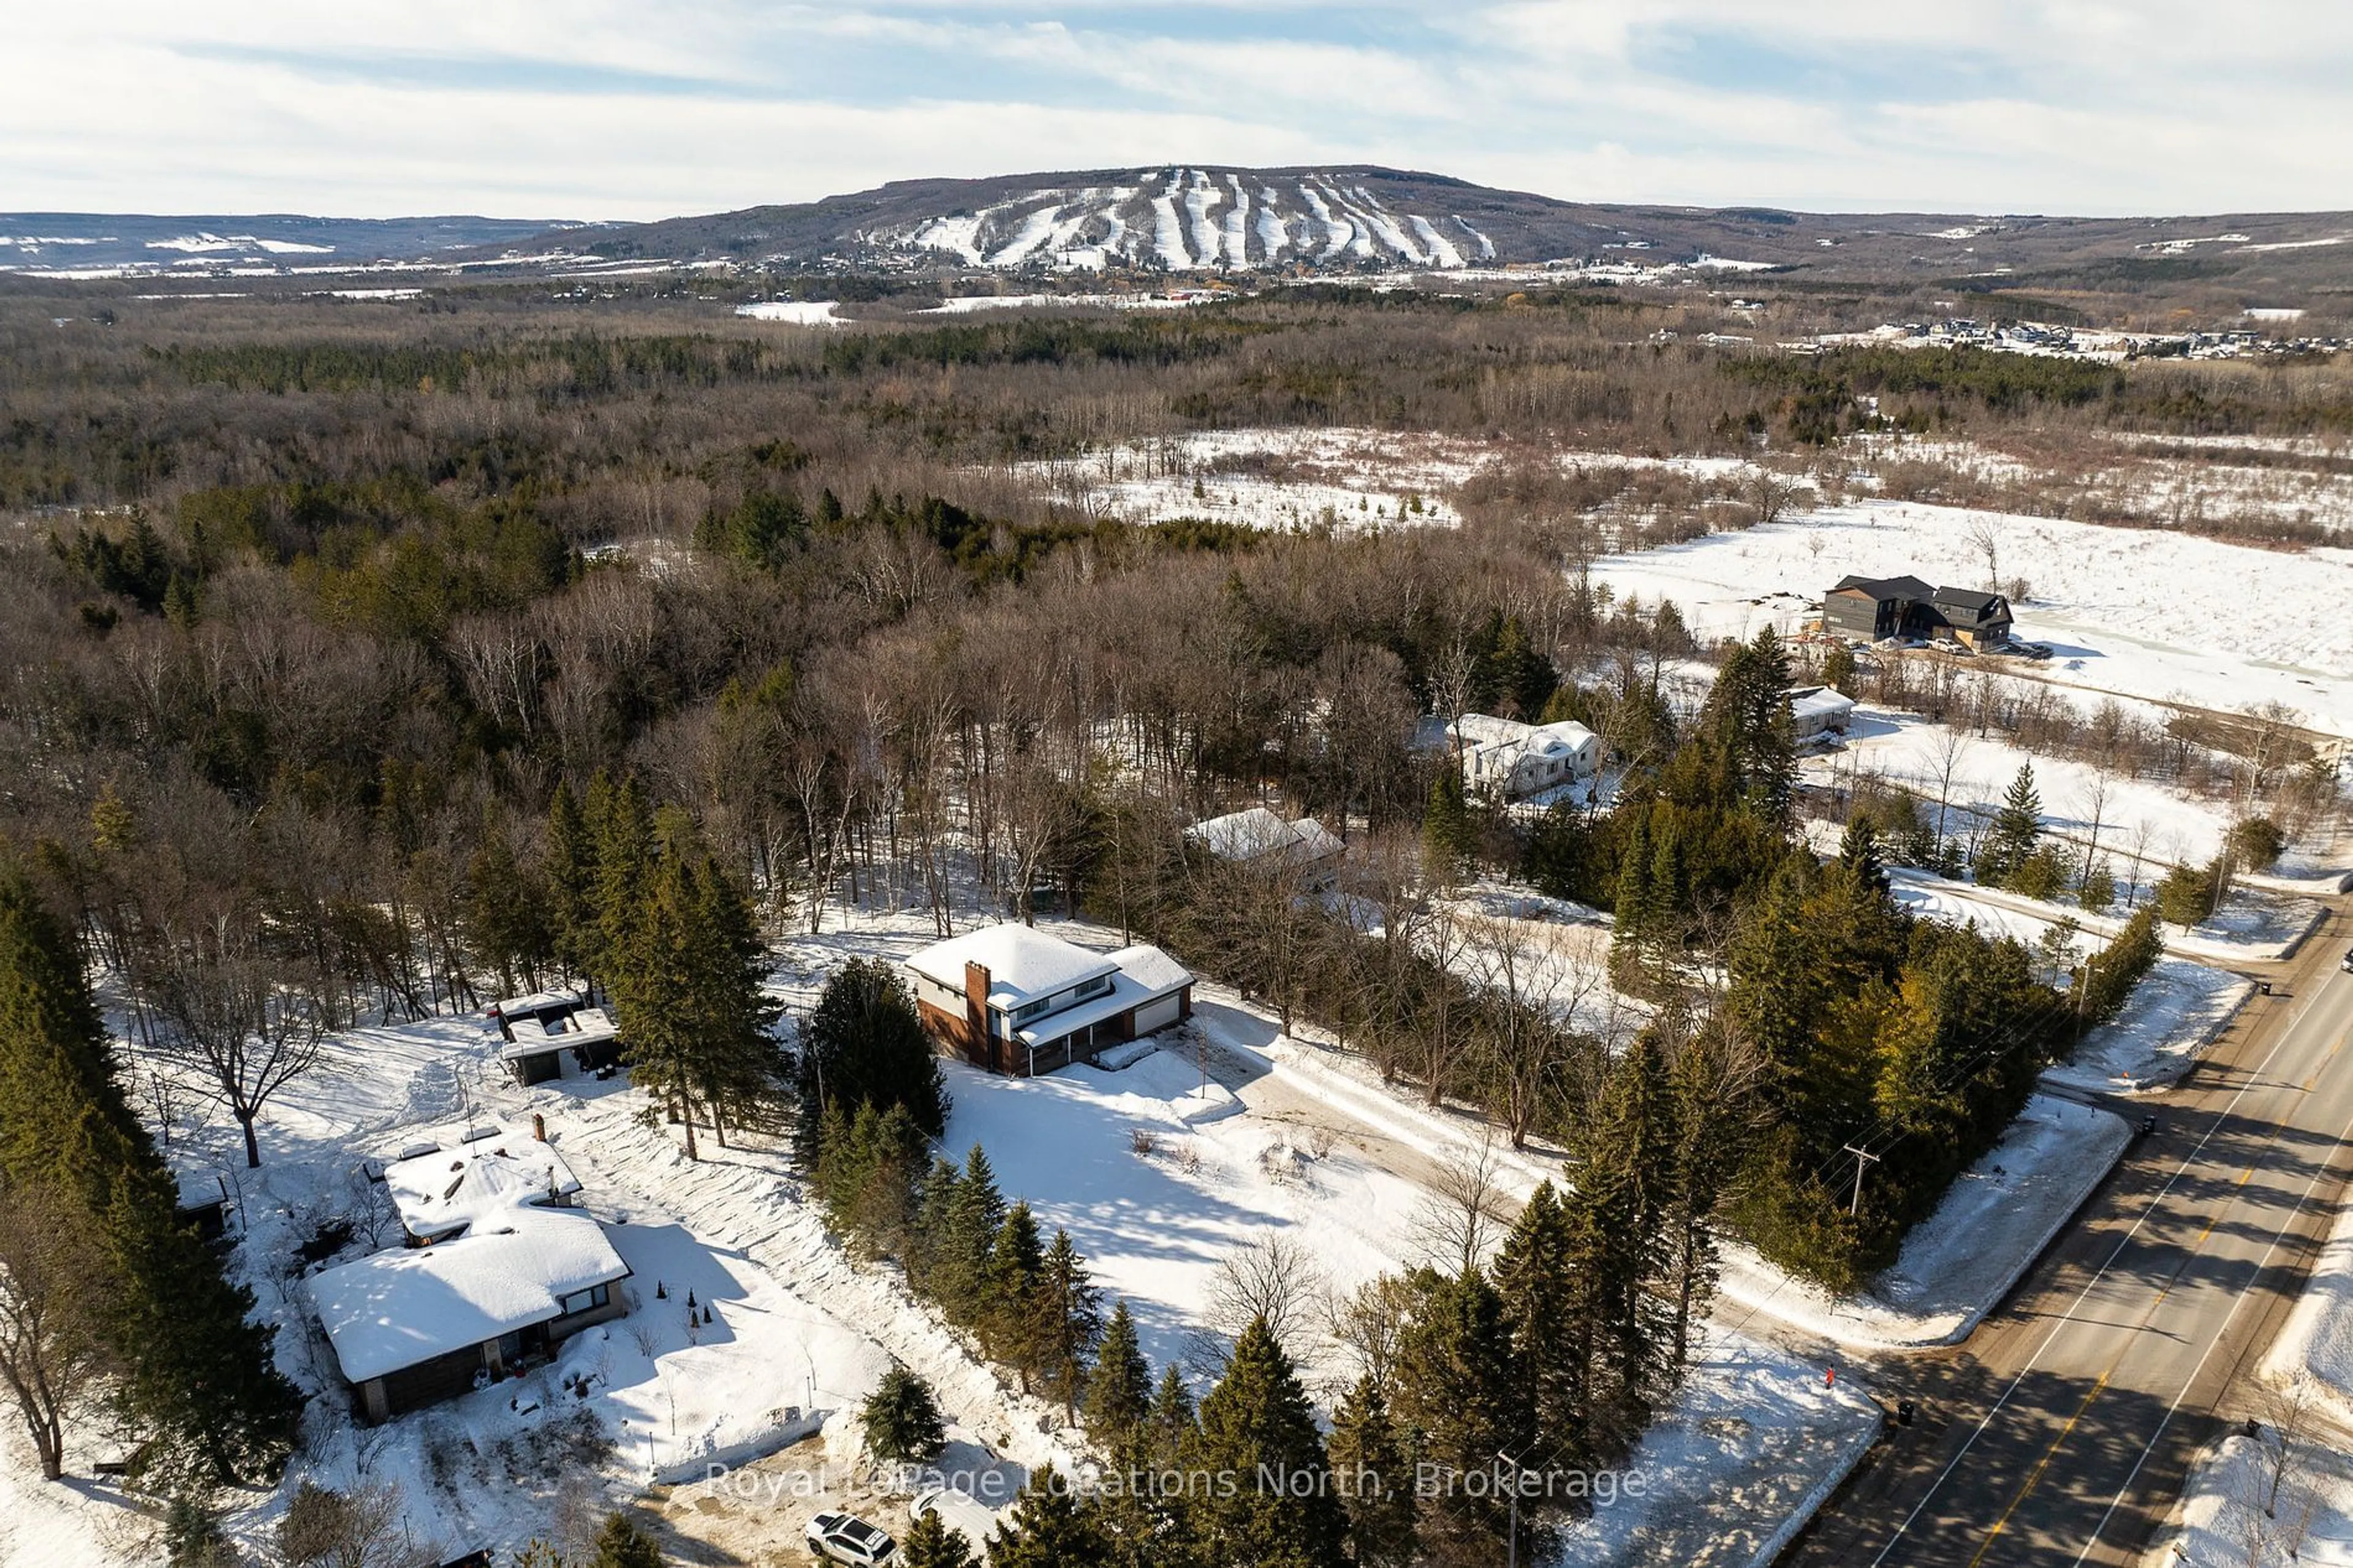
column 1349, row 478
column 2254, row 926
column 1959, row 1262
column 2232, row 1514
column 1756, row 1428
column 1909, row 750
column 798, row 312
column 2138, row 612
column 2175, row 1013
column 2316, row 1341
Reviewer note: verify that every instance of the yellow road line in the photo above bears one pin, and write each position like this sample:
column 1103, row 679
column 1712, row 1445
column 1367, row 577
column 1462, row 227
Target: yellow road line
column 2040, row 1465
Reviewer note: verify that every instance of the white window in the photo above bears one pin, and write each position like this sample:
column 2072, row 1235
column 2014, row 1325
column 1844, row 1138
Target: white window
column 587, row 1300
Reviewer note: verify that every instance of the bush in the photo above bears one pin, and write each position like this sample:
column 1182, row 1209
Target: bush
column 2186, row 895
column 2041, row 874
column 2097, row 891
column 2256, row 843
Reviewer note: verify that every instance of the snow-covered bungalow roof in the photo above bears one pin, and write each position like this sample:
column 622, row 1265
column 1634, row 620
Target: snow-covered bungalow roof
column 1145, row 973
column 457, row 1186
column 1251, row 834
column 1818, row 702
column 399, row 1307
column 550, row 1020
column 1022, row 961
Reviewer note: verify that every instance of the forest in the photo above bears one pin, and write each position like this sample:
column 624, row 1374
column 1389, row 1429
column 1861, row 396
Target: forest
column 370, row 664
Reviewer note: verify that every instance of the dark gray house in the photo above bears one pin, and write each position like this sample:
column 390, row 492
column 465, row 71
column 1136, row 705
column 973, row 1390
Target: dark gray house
column 1873, row 608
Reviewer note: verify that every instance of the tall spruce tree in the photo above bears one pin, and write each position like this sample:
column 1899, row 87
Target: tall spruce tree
column 1174, row 1420
column 1119, row 1389
column 573, row 881
column 1532, row 1279
column 929, row 1543
column 1618, row 1210
column 1012, row 1325
column 1461, row 1391
column 1375, row 1480
column 2017, row 830
column 1258, row 1427
column 1069, row 1310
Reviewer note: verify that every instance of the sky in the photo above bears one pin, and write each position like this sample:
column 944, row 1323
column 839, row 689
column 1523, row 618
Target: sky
column 640, row 108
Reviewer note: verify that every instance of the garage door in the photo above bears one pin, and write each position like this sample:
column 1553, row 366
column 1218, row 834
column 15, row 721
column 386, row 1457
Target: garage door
column 1158, row 1014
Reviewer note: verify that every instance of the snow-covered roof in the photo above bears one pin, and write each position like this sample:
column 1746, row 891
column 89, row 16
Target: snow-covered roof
column 581, row 1026
column 1818, row 702
column 538, row 1001
column 1151, row 968
column 408, row 1305
column 1022, row 961
column 452, row 1188
column 1145, row 973
column 1250, row 834
column 1486, row 729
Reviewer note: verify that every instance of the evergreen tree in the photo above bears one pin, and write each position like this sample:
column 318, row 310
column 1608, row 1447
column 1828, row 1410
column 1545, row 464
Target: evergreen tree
column 1119, row 1389
column 932, row 1245
column 867, row 1172
column 573, row 880
column 1446, row 833
column 1461, row 1391
column 1634, row 909
column 2017, row 829
column 1859, row 853
column 1374, row 1478
column 864, row 1041
column 1011, row 1325
column 1257, row 1426
column 1069, row 1310
column 1533, row 1284
column 1839, row 671
column 506, row 911
column 1616, row 1212
column 1173, row 1421
column 623, row 824
column 621, row 1545
column 1050, row 1527
column 1747, row 720
column 960, row 1263
column 928, row 1544
column 901, row 1420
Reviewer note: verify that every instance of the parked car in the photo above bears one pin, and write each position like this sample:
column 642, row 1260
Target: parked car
column 846, row 1538
column 2347, row 965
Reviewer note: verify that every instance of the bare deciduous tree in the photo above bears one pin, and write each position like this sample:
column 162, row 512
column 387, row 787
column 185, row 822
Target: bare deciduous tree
column 1273, row 1278
column 236, row 1013
column 1462, row 1217
column 51, row 1278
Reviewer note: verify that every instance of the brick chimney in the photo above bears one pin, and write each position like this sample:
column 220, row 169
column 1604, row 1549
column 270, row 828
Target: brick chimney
column 975, row 1013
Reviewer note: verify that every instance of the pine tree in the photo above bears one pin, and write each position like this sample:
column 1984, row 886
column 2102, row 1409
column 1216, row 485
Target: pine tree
column 1634, row 911
column 1050, row 1527
column 2017, row 829
column 960, row 1265
column 1011, row 1325
column 1461, row 1391
column 1616, row 1212
column 1839, row 671
column 928, row 1544
column 1859, row 853
column 1374, row 1478
column 573, row 880
column 506, row 911
column 1119, row 1389
column 932, row 1246
column 1069, row 1310
column 1256, row 1425
column 1445, row 827
column 901, row 1420
column 1531, row 1281
column 621, row 1545
column 864, row 1041
column 1173, row 1421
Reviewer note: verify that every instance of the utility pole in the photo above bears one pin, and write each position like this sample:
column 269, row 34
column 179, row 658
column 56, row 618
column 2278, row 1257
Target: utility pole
column 1512, row 1550
column 1862, row 1161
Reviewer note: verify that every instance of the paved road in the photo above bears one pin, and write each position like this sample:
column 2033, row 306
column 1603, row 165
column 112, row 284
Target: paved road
column 2060, row 1432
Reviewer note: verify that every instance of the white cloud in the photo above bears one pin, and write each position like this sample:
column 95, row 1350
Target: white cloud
column 609, row 109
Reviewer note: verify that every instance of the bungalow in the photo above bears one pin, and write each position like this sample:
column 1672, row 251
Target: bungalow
column 539, row 1028
column 1508, row 758
column 1259, row 835
column 1014, row 1000
column 1872, row 609
column 415, row 1325
column 1818, row 711
column 204, row 1202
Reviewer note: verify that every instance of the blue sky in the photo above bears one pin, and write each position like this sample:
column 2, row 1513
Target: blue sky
column 615, row 108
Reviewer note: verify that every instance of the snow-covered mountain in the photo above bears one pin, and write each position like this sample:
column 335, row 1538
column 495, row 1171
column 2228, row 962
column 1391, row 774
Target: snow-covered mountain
column 1191, row 218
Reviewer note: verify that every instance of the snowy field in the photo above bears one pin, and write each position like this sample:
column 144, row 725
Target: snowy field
column 1909, row 750
column 2136, row 612
column 1958, row 1263
column 2253, row 926
column 1275, row 479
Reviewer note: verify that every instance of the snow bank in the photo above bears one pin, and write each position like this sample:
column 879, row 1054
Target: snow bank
column 2176, row 1011
column 2224, row 1517
column 2316, row 1341
column 1751, row 1446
